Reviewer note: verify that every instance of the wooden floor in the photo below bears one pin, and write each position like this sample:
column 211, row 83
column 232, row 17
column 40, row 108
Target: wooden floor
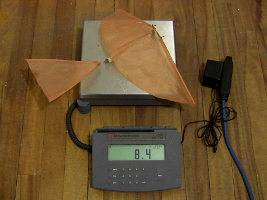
column 37, row 158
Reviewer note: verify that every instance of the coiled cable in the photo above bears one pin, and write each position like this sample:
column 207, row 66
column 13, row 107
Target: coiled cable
column 71, row 131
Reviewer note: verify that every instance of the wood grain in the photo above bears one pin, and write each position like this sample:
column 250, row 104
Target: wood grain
column 36, row 102
column 28, row 187
column 256, row 104
column 8, row 25
column 38, row 159
column 14, row 92
column 258, row 12
column 127, row 5
column 53, row 159
column 195, row 186
column 9, row 155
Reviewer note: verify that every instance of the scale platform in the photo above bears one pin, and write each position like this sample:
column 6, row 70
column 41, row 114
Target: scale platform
column 106, row 86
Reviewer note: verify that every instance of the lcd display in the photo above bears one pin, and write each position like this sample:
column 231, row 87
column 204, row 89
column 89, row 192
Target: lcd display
column 136, row 152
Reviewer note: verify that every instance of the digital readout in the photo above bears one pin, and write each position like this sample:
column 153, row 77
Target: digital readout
column 136, row 152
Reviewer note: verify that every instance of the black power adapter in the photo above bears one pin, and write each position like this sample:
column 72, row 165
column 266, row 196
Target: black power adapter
column 212, row 74
column 218, row 75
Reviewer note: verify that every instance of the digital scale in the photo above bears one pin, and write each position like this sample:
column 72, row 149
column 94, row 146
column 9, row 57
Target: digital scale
column 136, row 159
column 129, row 159
column 105, row 85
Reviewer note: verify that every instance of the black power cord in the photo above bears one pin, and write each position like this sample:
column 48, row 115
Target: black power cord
column 211, row 132
column 71, row 131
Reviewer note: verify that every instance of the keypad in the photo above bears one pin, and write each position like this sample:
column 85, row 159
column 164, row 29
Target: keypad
column 126, row 176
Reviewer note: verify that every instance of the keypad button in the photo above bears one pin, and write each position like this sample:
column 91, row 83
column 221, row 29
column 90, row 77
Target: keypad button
column 128, row 176
column 159, row 177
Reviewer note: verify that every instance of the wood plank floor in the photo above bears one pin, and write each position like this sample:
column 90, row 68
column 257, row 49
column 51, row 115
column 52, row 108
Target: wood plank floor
column 39, row 161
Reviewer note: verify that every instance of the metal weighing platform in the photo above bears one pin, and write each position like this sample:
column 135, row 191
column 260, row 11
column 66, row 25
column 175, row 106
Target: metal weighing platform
column 106, row 86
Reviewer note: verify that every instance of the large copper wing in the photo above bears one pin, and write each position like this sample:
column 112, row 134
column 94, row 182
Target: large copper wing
column 140, row 54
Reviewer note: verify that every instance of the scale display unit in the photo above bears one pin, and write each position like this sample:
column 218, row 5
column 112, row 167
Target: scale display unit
column 136, row 159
